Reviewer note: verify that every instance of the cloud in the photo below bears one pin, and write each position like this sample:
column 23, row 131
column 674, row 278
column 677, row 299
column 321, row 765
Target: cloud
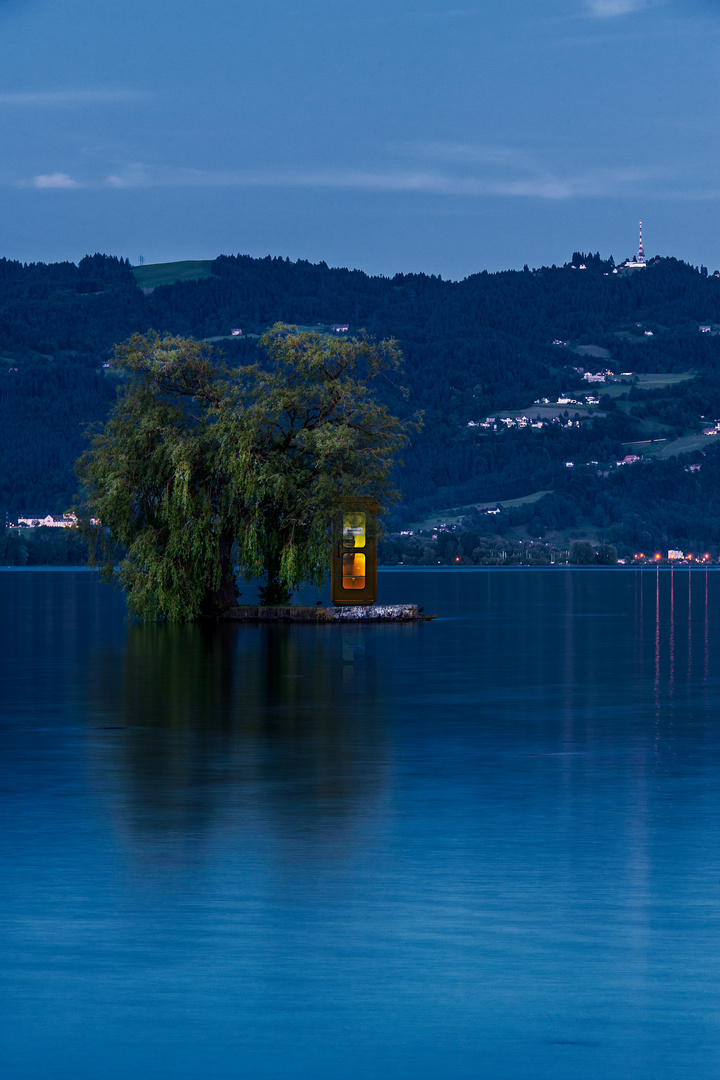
column 439, row 169
column 44, row 98
column 683, row 8
column 608, row 8
column 53, row 180
column 463, row 153
column 602, row 182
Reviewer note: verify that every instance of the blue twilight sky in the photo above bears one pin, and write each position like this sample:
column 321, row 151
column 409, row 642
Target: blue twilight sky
column 440, row 135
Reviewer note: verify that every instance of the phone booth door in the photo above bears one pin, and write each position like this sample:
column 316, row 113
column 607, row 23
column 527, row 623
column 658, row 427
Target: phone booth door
column 354, row 563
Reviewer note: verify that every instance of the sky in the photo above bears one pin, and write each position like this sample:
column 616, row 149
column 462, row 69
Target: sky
column 387, row 135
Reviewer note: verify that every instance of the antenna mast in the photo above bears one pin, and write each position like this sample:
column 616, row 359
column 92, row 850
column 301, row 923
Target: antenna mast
column 641, row 253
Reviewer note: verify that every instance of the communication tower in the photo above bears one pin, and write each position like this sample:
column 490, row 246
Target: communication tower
column 638, row 263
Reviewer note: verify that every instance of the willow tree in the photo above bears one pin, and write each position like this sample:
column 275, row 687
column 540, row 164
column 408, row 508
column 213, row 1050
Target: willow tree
column 203, row 470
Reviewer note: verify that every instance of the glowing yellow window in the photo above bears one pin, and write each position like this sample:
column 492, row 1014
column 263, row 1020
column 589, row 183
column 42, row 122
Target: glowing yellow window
column 354, row 530
column 353, row 571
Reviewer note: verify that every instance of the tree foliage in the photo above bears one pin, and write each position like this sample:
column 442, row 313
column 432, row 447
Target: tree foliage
column 202, row 467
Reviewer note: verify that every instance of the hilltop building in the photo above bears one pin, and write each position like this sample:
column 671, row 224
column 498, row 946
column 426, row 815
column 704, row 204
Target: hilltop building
column 639, row 262
column 50, row 521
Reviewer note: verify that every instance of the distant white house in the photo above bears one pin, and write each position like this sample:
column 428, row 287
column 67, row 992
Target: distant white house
column 236, row 332
column 50, row 521
column 340, row 328
column 704, row 329
column 587, row 377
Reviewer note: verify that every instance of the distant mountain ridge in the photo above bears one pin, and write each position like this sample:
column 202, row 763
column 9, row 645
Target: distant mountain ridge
column 473, row 348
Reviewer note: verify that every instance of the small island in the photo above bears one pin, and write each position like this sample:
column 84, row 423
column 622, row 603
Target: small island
column 355, row 613
column 205, row 474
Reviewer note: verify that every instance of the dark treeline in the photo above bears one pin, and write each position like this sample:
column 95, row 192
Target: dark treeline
column 42, row 547
column 473, row 348
column 660, row 504
column 637, row 509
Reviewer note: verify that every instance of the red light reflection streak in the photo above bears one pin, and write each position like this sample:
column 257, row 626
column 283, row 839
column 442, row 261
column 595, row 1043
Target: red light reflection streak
column 657, row 655
column 657, row 632
column 640, row 638
column 707, row 647
column 672, row 633
column 689, row 668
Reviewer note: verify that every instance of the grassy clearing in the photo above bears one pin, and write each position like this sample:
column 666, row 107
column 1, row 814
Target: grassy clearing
column 535, row 497
column 231, row 337
column 648, row 381
column 149, row 277
column 646, row 447
column 457, row 513
column 686, row 445
column 593, row 350
column 324, row 331
column 550, row 412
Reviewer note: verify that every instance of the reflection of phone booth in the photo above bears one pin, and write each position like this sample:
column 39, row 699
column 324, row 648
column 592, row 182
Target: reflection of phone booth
column 353, row 578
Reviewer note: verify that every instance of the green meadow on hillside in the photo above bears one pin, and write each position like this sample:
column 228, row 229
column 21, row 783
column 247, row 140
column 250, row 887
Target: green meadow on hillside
column 154, row 274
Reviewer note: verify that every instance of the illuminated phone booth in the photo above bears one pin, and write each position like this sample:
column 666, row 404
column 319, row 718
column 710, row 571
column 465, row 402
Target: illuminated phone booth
column 353, row 578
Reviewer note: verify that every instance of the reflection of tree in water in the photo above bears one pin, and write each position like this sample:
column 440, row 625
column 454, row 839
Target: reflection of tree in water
column 268, row 727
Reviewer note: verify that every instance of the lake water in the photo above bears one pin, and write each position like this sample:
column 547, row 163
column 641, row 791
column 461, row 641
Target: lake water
column 483, row 847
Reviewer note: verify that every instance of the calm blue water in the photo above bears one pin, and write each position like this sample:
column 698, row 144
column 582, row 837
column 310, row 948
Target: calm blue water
column 485, row 847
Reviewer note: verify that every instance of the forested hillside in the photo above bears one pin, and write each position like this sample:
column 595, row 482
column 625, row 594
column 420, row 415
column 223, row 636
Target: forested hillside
column 487, row 347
